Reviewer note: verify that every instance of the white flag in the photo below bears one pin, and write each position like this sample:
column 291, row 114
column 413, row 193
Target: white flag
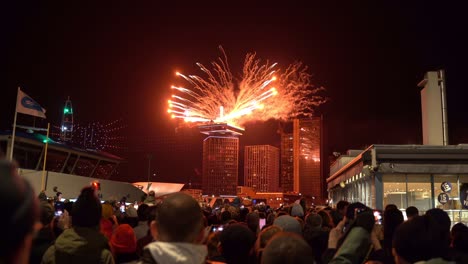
column 26, row 105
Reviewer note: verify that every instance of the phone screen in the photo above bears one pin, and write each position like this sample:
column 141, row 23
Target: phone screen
column 216, row 228
column 122, row 208
column 378, row 217
column 58, row 212
column 262, row 223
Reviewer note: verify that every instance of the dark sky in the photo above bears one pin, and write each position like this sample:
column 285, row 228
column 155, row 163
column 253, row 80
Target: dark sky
column 118, row 61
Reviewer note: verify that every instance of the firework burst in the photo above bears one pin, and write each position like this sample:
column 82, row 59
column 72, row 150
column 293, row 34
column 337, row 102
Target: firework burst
column 264, row 92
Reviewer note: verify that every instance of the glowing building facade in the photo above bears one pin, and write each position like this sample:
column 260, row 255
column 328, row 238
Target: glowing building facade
column 220, row 159
column 301, row 151
column 261, row 168
column 287, row 158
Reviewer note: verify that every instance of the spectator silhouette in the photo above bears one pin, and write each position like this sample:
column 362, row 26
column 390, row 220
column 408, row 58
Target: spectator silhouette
column 236, row 244
column 178, row 230
column 123, row 244
column 287, row 247
column 420, row 239
column 83, row 243
column 411, row 212
column 45, row 237
column 141, row 230
column 20, row 212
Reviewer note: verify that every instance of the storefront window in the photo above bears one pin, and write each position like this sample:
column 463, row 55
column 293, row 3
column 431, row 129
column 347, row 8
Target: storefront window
column 463, row 214
column 419, row 191
column 446, row 192
column 394, row 189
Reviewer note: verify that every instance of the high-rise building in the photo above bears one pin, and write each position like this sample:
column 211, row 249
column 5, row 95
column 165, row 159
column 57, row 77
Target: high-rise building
column 287, row 158
column 301, row 169
column 220, row 159
column 261, row 168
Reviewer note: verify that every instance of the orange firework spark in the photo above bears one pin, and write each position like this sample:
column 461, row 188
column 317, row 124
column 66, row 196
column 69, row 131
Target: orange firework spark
column 264, row 92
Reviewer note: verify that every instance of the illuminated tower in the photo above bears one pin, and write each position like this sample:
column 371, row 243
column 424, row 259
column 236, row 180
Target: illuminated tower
column 220, row 158
column 66, row 128
column 287, row 158
column 261, row 168
column 301, row 151
column 307, row 156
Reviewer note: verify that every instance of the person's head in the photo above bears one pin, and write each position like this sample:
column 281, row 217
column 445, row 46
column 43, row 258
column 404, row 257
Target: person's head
column 225, row 216
column 142, row 212
column 327, row 221
column 411, row 212
column 459, row 235
column 391, row 220
column 212, row 244
column 151, row 193
column 20, row 215
column 441, row 217
column 297, row 210
column 341, row 207
column 265, row 236
column 252, row 221
column 390, row 206
column 179, row 219
column 87, row 210
column 288, row 224
column 287, row 248
column 313, row 221
column 270, row 218
column 47, row 213
column 419, row 239
column 236, row 242
column 123, row 240
column 351, row 210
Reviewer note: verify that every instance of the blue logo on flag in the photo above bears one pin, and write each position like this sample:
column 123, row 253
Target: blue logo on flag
column 29, row 103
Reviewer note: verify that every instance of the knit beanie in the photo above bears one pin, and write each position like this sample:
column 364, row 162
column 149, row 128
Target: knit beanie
column 288, row 224
column 314, row 220
column 297, row 210
column 87, row 209
column 123, row 240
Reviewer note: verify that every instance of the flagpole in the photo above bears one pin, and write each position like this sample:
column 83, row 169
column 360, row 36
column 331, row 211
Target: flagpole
column 45, row 158
column 14, row 128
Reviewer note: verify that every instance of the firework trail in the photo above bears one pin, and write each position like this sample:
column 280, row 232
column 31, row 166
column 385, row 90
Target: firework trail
column 264, row 92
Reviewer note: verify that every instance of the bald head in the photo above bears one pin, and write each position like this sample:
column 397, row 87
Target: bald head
column 179, row 219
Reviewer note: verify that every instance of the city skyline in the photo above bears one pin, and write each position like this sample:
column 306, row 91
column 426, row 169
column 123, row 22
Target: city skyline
column 119, row 62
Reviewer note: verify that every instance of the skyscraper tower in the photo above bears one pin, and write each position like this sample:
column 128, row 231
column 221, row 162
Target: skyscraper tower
column 287, row 161
column 261, row 168
column 306, row 145
column 301, row 151
column 66, row 128
column 220, row 159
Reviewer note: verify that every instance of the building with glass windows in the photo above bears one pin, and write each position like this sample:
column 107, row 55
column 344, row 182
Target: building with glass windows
column 301, row 155
column 261, row 168
column 424, row 176
column 220, row 158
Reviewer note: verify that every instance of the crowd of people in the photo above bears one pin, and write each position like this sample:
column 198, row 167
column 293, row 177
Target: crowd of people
column 178, row 230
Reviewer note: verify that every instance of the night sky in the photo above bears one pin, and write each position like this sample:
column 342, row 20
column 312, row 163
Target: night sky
column 118, row 61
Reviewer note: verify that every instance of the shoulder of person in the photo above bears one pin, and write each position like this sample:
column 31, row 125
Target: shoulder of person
column 107, row 257
column 147, row 258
